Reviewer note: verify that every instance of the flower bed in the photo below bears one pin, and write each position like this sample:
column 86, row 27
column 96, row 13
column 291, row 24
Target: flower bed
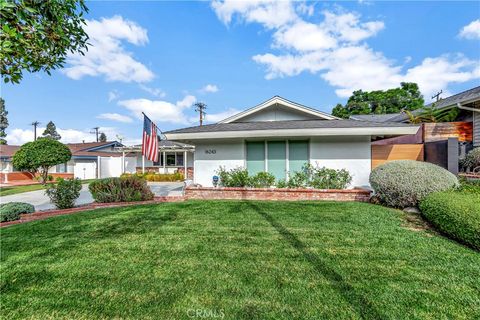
column 209, row 193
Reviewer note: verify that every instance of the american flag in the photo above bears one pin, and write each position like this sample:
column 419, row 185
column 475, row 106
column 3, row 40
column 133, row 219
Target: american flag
column 150, row 140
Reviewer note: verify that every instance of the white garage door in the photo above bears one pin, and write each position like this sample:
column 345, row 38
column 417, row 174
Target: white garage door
column 85, row 169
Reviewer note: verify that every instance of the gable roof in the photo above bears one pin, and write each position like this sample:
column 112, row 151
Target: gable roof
column 374, row 117
column 282, row 101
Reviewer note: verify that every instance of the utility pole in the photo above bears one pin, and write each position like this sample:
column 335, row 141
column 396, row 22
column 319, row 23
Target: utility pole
column 200, row 107
column 437, row 96
column 35, row 124
column 95, row 132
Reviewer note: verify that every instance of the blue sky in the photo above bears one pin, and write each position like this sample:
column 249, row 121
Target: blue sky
column 161, row 57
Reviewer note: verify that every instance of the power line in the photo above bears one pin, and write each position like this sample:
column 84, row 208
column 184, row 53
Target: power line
column 95, row 132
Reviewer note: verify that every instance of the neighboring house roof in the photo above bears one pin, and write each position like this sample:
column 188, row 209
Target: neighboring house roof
column 280, row 101
column 374, row 117
column 86, row 149
column 163, row 145
column 291, row 128
column 461, row 98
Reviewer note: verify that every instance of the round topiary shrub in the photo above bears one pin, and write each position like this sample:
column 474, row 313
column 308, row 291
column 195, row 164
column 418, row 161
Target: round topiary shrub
column 11, row 211
column 404, row 183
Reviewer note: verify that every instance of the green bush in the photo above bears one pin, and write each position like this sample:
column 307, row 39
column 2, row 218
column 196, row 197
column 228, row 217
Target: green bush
column 470, row 186
column 64, row 193
column 472, row 160
column 299, row 179
column 456, row 214
column 325, row 178
column 11, row 211
column 237, row 177
column 124, row 189
column 262, row 180
column 404, row 183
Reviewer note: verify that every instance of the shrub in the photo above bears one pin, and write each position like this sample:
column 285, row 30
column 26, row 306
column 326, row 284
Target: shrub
column 470, row 186
column 472, row 160
column 299, row 179
column 11, row 211
column 237, row 177
column 64, row 193
column 404, row 183
column 325, row 178
column 262, row 180
column 456, row 214
column 282, row 184
column 124, row 189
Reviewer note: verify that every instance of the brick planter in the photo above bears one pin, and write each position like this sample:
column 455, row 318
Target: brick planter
column 276, row 194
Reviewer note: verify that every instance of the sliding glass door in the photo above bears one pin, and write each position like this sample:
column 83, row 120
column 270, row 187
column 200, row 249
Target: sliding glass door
column 255, row 157
column 277, row 159
column 297, row 155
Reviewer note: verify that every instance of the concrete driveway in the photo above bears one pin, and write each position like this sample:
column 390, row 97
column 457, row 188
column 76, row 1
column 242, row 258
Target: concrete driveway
column 42, row 202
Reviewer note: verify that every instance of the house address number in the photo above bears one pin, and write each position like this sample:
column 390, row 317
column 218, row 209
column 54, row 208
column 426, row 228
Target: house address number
column 210, row 151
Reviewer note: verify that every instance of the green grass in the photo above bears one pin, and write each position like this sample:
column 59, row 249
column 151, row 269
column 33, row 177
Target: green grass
column 245, row 260
column 6, row 191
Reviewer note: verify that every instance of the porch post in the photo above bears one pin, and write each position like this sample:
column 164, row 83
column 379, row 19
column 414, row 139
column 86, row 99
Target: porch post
column 185, row 164
column 143, row 164
column 123, row 161
column 164, row 160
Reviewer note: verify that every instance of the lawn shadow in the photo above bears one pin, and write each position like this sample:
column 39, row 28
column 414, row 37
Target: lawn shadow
column 360, row 303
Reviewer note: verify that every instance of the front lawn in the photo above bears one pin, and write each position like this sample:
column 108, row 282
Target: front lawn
column 6, row 191
column 243, row 260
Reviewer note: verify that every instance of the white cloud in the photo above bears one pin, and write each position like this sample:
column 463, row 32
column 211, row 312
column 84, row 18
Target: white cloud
column 113, row 95
column 106, row 56
column 336, row 49
column 471, row 30
column 211, row 88
column 270, row 13
column 115, row 117
column 21, row 136
column 159, row 110
column 156, row 92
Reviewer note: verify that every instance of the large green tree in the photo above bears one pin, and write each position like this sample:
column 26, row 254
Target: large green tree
column 103, row 137
column 51, row 132
column 37, row 35
column 41, row 155
column 3, row 122
column 406, row 97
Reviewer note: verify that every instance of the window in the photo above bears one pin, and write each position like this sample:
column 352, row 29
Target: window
column 172, row 159
column 274, row 160
column 180, row 159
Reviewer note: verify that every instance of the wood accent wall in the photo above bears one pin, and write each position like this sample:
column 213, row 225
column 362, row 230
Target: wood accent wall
column 444, row 130
column 386, row 153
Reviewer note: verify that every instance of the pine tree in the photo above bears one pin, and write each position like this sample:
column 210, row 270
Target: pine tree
column 103, row 137
column 51, row 132
column 3, row 122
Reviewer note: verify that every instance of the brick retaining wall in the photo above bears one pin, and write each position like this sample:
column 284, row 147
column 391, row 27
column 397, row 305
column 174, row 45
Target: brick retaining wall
column 276, row 194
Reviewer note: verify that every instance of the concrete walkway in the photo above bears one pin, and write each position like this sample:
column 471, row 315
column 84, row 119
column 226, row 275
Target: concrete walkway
column 42, row 202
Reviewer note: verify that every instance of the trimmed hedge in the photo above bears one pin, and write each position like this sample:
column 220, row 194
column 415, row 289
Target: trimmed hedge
column 64, row 193
column 157, row 177
column 405, row 183
column 457, row 214
column 125, row 189
column 11, row 211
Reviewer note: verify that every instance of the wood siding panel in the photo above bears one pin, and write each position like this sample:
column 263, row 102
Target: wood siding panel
column 442, row 131
column 386, row 153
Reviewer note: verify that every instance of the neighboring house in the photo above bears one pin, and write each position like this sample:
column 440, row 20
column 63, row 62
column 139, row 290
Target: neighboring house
column 84, row 163
column 279, row 136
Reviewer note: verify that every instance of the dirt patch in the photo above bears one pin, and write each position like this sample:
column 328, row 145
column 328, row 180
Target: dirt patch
column 415, row 222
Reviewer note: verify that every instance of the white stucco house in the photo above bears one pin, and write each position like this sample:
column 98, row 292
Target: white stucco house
column 279, row 136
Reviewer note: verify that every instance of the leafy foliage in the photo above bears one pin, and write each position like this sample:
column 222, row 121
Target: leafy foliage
column 103, row 137
column 125, row 189
column 237, row 177
column 38, row 35
column 11, row 211
column 472, row 160
column 404, row 183
column 262, row 180
column 407, row 97
column 51, row 132
column 470, row 186
column 40, row 155
column 431, row 114
column 64, row 193
column 456, row 214
column 3, row 122
column 325, row 178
